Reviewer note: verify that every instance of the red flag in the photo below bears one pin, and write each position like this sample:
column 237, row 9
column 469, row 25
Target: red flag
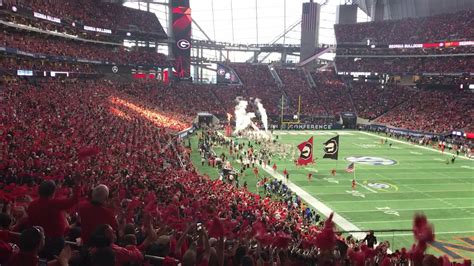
column 306, row 152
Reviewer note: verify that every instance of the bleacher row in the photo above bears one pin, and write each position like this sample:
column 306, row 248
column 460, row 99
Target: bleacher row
column 445, row 27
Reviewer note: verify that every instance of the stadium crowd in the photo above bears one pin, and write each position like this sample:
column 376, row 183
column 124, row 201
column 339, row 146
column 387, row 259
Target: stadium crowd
column 15, row 63
column 295, row 86
column 446, row 27
column 55, row 46
column 332, row 92
column 406, row 51
column 372, row 100
column 259, row 83
column 437, row 111
column 92, row 13
column 412, row 65
column 95, row 161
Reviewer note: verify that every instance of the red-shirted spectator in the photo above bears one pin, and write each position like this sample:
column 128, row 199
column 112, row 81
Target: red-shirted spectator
column 104, row 236
column 49, row 213
column 31, row 242
column 95, row 213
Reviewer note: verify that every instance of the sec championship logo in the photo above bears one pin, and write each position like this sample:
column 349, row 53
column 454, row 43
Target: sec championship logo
column 370, row 160
column 183, row 44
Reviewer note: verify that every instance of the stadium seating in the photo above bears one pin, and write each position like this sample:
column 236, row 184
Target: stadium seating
column 296, row 86
column 93, row 13
column 332, row 92
column 437, row 111
column 446, row 27
column 55, row 46
column 81, row 134
column 16, row 63
column 259, row 83
column 411, row 65
column 373, row 100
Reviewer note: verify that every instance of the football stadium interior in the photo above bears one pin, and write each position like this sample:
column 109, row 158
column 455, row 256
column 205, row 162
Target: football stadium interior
column 225, row 132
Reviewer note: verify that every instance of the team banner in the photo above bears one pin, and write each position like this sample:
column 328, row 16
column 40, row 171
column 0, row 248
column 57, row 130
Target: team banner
column 182, row 35
column 306, row 152
column 331, row 148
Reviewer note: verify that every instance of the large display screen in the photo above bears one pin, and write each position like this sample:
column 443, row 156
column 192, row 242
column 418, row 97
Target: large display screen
column 182, row 35
column 226, row 75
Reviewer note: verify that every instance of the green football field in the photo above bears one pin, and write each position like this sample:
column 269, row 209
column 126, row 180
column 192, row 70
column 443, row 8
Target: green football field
column 393, row 183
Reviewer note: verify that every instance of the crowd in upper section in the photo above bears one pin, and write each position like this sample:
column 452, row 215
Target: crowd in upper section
column 408, row 65
column 446, row 27
column 56, row 46
column 93, row 13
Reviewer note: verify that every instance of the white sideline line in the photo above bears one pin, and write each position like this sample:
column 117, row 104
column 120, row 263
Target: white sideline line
column 318, row 205
column 437, row 233
column 421, row 147
column 344, row 201
column 411, row 220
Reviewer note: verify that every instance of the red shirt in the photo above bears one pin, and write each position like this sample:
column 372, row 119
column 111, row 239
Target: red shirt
column 23, row 259
column 129, row 254
column 49, row 214
column 93, row 215
column 8, row 237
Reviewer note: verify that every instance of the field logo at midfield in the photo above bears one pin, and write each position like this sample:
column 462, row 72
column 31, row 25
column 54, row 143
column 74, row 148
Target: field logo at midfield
column 370, row 160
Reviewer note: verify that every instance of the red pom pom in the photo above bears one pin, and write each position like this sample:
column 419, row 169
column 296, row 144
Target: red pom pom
column 265, row 240
column 386, row 262
column 216, row 229
column 422, row 230
column 87, row 152
column 258, row 229
column 282, row 240
column 357, row 258
column 326, row 239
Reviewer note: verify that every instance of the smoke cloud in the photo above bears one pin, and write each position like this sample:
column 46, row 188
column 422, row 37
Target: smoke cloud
column 263, row 113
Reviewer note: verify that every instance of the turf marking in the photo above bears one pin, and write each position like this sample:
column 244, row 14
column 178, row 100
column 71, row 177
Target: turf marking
column 420, row 147
column 411, row 220
column 437, row 233
column 321, row 207
column 394, row 200
column 366, row 187
column 419, row 209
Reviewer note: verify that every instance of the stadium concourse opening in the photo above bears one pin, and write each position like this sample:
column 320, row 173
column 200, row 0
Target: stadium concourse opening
column 212, row 133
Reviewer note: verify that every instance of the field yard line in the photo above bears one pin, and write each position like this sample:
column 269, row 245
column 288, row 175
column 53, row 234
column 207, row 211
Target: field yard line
column 351, row 201
column 411, row 220
column 421, row 147
column 318, row 205
column 398, row 192
column 419, row 209
column 430, row 196
column 437, row 233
